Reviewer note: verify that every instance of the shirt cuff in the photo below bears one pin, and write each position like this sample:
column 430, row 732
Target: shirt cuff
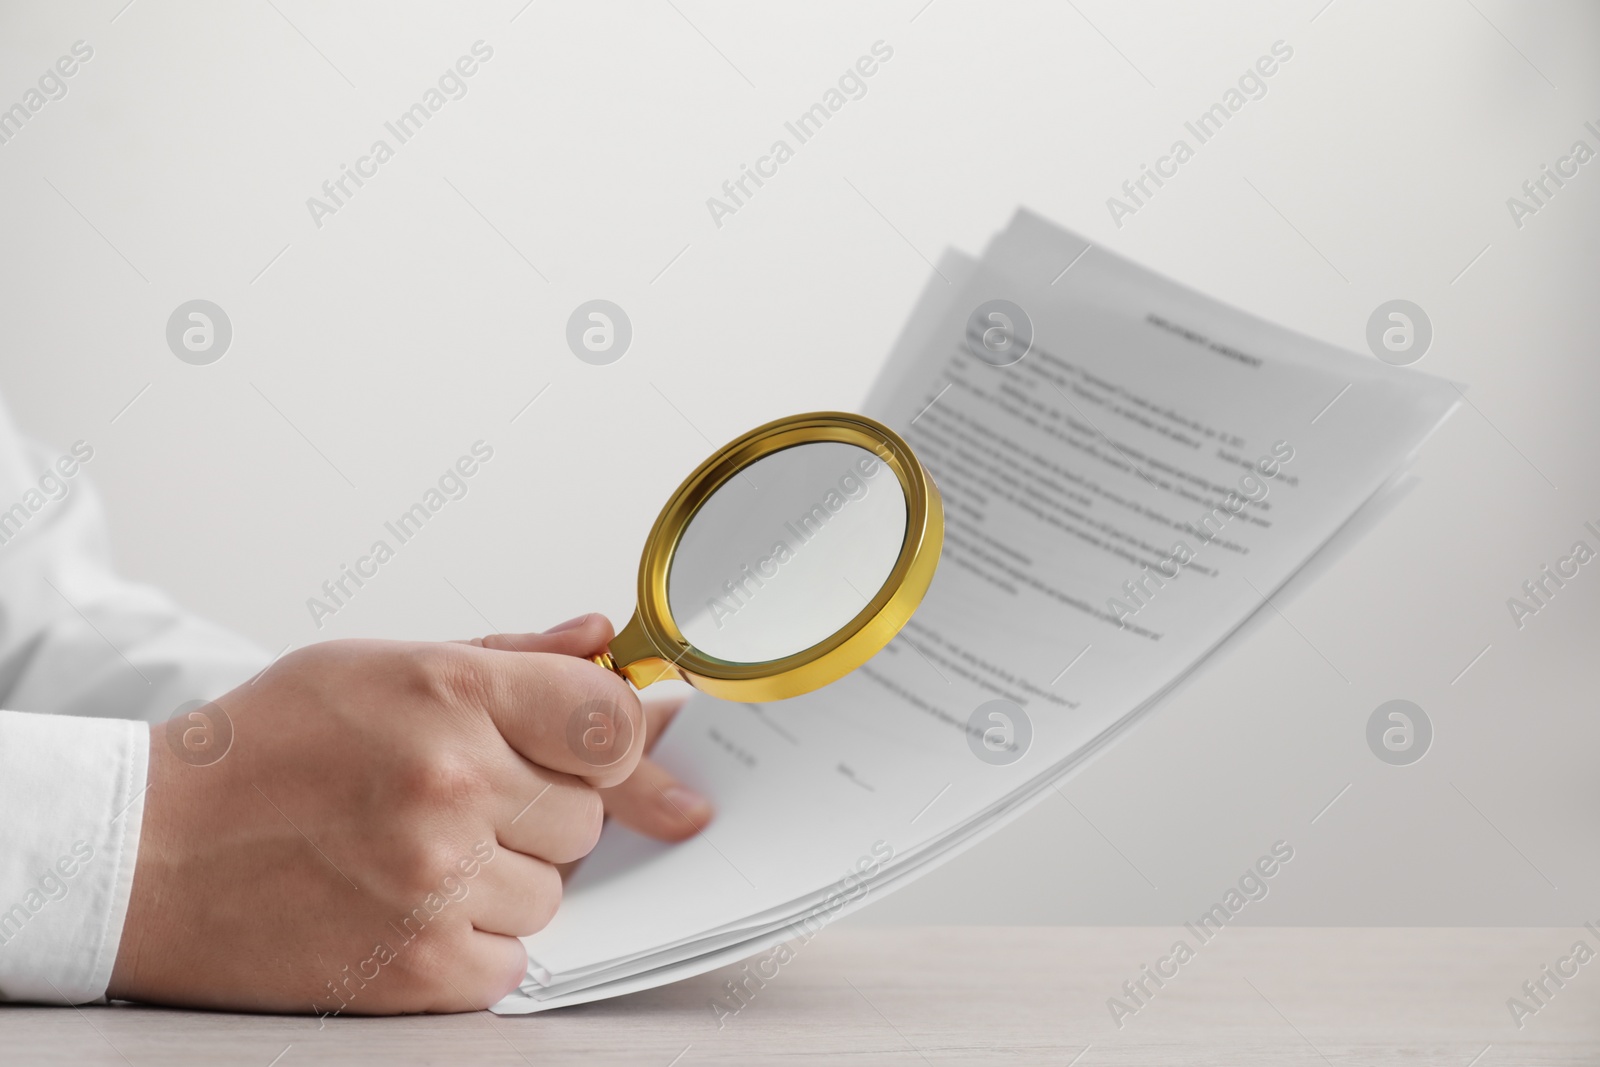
column 71, row 808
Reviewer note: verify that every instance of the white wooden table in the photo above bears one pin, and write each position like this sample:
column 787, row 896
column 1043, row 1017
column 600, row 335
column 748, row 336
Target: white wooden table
column 1000, row 995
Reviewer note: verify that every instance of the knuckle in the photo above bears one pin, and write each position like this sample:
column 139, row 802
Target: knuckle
column 589, row 820
column 445, row 778
column 425, row 864
column 428, row 871
column 580, row 826
column 545, row 900
column 430, row 956
column 423, row 672
column 481, row 979
column 442, row 673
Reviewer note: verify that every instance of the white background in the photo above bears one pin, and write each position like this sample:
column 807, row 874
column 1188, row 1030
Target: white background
column 375, row 349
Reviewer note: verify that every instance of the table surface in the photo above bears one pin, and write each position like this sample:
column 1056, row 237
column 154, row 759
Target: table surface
column 1001, row 995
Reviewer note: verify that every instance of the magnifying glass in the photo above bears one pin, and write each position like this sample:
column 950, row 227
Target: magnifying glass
column 784, row 562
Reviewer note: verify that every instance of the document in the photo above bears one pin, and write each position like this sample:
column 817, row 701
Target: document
column 1130, row 470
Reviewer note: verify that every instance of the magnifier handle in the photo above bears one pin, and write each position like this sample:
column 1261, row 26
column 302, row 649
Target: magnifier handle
column 609, row 662
column 634, row 659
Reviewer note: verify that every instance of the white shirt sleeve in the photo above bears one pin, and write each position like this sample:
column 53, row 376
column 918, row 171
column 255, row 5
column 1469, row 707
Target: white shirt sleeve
column 83, row 651
column 66, row 875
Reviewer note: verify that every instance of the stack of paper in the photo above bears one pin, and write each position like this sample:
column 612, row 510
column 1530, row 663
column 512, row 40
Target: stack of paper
column 1118, row 501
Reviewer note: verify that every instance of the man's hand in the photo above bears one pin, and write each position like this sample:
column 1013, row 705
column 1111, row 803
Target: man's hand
column 386, row 820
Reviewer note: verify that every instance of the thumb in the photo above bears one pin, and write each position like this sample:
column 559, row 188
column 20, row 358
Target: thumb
column 584, row 636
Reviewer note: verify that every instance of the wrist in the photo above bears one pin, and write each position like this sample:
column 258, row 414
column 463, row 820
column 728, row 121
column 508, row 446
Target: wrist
column 145, row 888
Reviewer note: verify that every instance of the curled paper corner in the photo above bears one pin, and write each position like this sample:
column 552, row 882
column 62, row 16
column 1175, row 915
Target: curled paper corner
column 538, row 976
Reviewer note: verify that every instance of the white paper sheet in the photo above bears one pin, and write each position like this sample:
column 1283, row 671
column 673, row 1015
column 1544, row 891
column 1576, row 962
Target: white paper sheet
column 1118, row 437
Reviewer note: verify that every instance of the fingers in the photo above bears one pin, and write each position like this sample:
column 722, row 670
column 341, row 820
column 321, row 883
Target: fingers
column 584, row 636
column 652, row 801
column 656, row 804
column 550, row 816
column 558, row 711
column 514, row 894
column 491, row 967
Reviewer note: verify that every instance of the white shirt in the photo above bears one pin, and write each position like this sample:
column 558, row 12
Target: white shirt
column 87, row 659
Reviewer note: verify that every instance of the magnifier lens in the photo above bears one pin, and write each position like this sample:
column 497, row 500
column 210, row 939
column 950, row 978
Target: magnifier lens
column 787, row 552
column 786, row 560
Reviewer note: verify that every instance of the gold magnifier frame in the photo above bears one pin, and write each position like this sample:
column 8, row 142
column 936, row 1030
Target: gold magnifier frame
column 651, row 647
